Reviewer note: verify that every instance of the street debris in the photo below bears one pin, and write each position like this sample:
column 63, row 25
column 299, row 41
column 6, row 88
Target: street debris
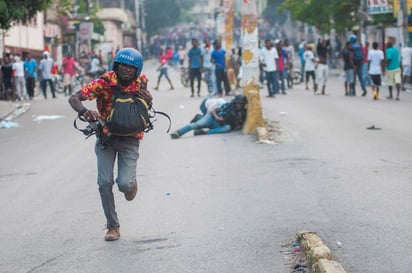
column 6, row 124
column 46, row 117
column 372, row 127
column 18, row 110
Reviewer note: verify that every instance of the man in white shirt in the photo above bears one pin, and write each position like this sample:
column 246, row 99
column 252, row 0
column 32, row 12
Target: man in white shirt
column 309, row 59
column 19, row 81
column 376, row 64
column 268, row 58
column 45, row 67
column 406, row 58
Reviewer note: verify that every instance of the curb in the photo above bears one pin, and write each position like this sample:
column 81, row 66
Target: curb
column 319, row 255
column 6, row 109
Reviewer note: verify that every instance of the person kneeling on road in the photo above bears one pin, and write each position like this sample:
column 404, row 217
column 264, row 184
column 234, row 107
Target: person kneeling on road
column 229, row 116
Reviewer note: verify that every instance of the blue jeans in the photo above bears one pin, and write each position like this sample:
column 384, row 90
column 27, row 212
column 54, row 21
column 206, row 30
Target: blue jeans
column 272, row 82
column 127, row 151
column 359, row 73
column 281, row 76
column 207, row 121
column 366, row 79
column 43, row 85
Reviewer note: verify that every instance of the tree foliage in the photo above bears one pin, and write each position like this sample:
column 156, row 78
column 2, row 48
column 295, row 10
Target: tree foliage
column 273, row 14
column 20, row 10
column 324, row 14
column 160, row 14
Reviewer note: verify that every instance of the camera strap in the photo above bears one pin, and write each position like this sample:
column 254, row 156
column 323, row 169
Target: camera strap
column 85, row 132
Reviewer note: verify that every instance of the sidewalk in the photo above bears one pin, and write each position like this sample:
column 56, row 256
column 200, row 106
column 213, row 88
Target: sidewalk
column 6, row 108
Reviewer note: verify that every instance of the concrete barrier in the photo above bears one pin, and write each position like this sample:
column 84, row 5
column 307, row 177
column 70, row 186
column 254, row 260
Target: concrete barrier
column 254, row 118
column 318, row 254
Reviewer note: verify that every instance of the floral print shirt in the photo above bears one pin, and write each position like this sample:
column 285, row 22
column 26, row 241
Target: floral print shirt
column 100, row 90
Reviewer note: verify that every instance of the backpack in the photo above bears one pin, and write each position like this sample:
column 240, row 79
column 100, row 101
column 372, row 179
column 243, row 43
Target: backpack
column 231, row 115
column 130, row 114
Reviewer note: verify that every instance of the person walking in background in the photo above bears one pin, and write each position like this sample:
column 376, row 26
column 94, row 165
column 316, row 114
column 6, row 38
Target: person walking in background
column 268, row 58
column 208, row 68
column 290, row 51
column 322, row 70
column 9, row 91
column 163, row 70
column 182, row 55
column 357, row 61
column 348, row 68
column 365, row 51
column 45, row 68
column 69, row 65
column 218, row 58
column 406, row 58
column 309, row 60
column 393, row 70
column 281, row 65
column 30, row 66
column 235, row 65
column 301, row 51
column 375, row 62
column 195, row 56
column 19, row 80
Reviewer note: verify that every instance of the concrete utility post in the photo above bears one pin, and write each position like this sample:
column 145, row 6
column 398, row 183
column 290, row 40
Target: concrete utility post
column 249, row 32
column 138, row 26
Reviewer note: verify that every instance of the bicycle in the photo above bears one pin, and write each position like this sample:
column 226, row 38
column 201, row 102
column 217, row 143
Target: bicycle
column 185, row 76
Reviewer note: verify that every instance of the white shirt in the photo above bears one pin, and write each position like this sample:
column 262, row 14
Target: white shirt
column 46, row 67
column 406, row 55
column 269, row 57
column 375, row 56
column 19, row 68
column 308, row 57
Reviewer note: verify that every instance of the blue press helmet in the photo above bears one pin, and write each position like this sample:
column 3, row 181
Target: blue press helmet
column 129, row 56
column 352, row 38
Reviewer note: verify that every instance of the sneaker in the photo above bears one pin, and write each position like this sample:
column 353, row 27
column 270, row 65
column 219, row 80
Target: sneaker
column 284, row 93
column 389, row 98
column 397, row 98
column 112, row 234
column 130, row 195
column 364, row 93
column 199, row 132
column 317, row 93
column 192, row 95
column 175, row 135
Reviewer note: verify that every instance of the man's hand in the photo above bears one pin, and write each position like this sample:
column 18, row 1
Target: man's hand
column 90, row 115
column 145, row 94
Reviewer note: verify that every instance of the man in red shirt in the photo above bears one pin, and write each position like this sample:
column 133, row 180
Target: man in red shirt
column 126, row 75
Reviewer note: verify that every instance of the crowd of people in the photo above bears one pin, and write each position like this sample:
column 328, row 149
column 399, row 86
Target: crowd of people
column 363, row 65
column 21, row 74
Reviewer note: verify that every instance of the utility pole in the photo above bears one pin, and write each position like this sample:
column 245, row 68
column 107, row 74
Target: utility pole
column 250, row 52
column 138, row 26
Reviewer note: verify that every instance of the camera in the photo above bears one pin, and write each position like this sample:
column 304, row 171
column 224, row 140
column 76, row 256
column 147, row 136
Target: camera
column 93, row 127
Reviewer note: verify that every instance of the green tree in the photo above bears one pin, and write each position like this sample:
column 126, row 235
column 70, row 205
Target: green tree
column 273, row 14
column 20, row 10
column 161, row 14
column 324, row 14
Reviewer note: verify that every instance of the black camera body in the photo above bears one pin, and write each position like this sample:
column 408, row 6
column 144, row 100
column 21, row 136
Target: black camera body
column 93, row 127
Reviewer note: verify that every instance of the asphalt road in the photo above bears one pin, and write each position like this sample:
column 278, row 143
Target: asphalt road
column 218, row 203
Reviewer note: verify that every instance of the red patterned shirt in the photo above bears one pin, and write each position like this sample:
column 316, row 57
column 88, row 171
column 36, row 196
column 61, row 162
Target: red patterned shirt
column 100, row 90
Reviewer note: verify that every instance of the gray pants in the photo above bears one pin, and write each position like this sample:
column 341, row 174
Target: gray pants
column 127, row 151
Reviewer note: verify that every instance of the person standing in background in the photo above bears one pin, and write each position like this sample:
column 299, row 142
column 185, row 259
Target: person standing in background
column 375, row 59
column 19, row 80
column 45, row 67
column 30, row 66
column 393, row 69
column 195, row 56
